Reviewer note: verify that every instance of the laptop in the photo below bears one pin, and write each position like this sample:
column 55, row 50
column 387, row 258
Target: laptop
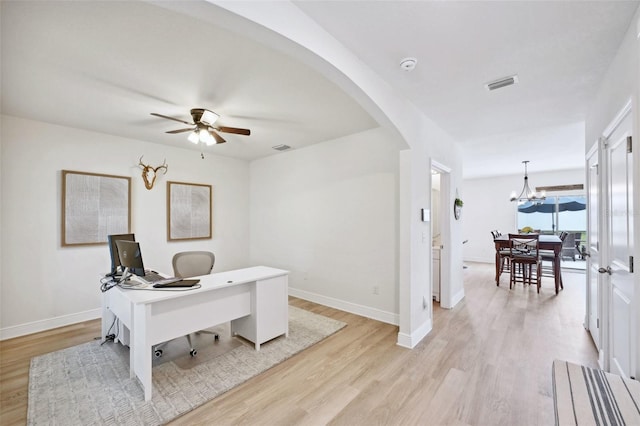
column 131, row 259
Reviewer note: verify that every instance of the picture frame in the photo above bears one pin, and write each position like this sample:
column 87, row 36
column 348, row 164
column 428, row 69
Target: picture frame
column 94, row 206
column 189, row 211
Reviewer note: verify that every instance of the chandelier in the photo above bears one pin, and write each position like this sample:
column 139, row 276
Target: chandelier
column 527, row 194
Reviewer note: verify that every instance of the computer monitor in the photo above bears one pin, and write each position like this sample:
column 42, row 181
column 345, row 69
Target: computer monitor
column 130, row 257
column 116, row 267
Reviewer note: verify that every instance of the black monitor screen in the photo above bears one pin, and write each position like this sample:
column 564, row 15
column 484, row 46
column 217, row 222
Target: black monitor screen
column 130, row 256
column 116, row 268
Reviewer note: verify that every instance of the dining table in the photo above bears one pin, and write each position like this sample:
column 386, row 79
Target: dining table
column 545, row 242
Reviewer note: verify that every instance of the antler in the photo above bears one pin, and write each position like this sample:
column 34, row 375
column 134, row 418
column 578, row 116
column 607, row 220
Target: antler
column 164, row 166
column 147, row 170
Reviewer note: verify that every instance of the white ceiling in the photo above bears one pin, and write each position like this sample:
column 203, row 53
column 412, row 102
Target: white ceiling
column 104, row 66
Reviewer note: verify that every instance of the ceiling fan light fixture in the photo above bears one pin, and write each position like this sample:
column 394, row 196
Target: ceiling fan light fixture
column 206, row 138
column 204, row 131
column 194, row 137
column 209, row 117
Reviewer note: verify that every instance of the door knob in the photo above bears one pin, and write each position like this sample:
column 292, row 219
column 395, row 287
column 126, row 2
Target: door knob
column 606, row 270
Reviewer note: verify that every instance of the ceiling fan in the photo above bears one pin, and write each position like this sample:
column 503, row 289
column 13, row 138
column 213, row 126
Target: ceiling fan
column 203, row 127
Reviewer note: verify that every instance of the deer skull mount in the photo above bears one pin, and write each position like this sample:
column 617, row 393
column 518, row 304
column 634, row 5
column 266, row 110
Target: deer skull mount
column 149, row 173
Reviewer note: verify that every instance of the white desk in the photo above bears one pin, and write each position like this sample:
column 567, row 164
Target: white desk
column 255, row 300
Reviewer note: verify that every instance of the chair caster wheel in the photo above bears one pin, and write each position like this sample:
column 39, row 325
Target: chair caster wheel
column 158, row 353
column 193, row 352
column 216, row 337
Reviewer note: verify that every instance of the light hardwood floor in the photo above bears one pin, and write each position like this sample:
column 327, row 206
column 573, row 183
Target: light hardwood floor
column 486, row 362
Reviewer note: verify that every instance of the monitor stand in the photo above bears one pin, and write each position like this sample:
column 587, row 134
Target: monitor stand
column 125, row 275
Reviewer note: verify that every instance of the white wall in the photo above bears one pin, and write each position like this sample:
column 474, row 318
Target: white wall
column 328, row 214
column 426, row 141
column 487, row 207
column 620, row 85
column 43, row 284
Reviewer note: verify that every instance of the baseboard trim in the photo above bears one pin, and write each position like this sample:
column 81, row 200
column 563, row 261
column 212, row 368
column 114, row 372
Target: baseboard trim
column 364, row 311
column 48, row 324
column 409, row 341
column 479, row 259
column 457, row 298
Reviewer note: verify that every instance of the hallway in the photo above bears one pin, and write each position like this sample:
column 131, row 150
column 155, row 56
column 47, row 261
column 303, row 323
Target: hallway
column 503, row 343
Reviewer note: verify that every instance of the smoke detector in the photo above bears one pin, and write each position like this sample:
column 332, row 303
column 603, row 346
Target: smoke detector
column 408, row 64
column 501, row 82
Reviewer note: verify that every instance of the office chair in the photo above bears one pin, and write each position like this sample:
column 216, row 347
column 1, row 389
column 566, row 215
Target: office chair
column 189, row 264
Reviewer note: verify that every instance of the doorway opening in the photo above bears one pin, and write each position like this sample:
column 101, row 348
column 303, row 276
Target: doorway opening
column 441, row 196
column 436, row 235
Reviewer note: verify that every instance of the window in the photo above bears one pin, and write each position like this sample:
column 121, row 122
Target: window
column 555, row 214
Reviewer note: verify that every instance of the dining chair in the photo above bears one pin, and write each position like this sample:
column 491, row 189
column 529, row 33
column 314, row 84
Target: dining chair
column 569, row 247
column 505, row 255
column 524, row 255
column 550, row 257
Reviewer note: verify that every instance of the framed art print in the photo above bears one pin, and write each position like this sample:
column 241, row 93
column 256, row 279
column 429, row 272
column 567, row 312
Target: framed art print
column 188, row 211
column 94, row 206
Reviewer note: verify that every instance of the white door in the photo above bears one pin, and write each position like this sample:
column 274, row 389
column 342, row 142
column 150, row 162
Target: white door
column 594, row 279
column 619, row 266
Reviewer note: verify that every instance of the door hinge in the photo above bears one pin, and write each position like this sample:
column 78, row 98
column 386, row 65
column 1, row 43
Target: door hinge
column 598, row 323
column 604, row 142
column 629, row 145
column 631, row 264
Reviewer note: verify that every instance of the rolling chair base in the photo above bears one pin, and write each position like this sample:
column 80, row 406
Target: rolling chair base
column 157, row 351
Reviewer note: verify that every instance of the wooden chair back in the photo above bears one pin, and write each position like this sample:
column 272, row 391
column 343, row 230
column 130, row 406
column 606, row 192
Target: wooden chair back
column 524, row 246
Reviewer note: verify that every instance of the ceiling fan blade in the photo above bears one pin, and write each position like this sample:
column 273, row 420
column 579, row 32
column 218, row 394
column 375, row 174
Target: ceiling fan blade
column 171, row 118
column 235, row 130
column 182, row 130
column 216, row 136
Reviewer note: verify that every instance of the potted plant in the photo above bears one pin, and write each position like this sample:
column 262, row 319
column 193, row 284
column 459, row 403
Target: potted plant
column 457, row 208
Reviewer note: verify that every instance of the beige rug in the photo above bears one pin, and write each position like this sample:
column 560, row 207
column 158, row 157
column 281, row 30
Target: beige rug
column 90, row 384
column 588, row 396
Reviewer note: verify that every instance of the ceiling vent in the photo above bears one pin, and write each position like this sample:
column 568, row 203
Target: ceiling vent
column 503, row 82
column 281, row 147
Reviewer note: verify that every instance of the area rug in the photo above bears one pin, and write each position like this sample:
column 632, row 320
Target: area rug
column 90, row 384
column 588, row 396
